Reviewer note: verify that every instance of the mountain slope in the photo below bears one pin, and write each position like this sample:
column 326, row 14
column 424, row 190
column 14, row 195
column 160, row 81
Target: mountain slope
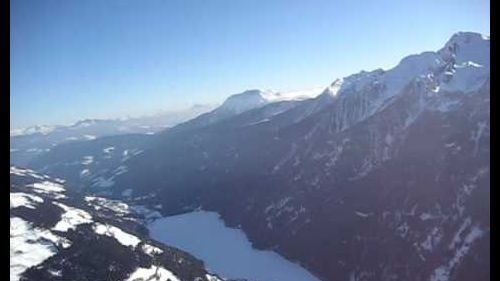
column 55, row 235
column 384, row 176
column 83, row 163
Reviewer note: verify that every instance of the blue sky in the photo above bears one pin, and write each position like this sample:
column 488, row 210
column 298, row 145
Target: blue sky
column 75, row 59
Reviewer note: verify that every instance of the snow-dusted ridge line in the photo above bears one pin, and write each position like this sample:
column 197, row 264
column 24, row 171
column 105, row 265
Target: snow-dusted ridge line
column 466, row 49
column 462, row 65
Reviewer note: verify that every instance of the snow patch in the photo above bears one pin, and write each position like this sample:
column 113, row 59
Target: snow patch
column 28, row 246
column 102, row 182
column 18, row 199
column 153, row 273
column 71, row 218
column 363, row 215
column 87, row 160
column 212, row 278
column 123, row 237
column 443, row 272
column 49, row 188
column 120, row 170
column 84, row 173
column 151, row 250
column 25, row 172
column 114, row 205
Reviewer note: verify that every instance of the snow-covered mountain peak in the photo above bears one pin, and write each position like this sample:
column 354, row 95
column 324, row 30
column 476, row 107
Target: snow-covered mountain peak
column 462, row 55
column 461, row 66
column 251, row 99
column 466, row 59
column 466, row 47
column 333, row 89
column 467, row 38
column 245, row 101
column 357, row 81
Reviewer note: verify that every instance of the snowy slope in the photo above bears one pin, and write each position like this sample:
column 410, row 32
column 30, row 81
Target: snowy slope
column 57, row 236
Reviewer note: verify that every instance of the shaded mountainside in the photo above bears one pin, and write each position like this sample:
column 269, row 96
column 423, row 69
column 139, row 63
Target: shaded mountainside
column 57, row 235
column 384, row 176
column 82, row 163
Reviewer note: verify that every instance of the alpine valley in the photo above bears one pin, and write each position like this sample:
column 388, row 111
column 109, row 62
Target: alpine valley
column 383, row 175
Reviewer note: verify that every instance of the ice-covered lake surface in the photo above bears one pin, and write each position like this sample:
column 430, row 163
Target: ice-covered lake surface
column 224, row 250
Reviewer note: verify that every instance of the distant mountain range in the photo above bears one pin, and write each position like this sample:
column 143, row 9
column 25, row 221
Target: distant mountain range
column 382, row 176
column 29, row 142
column 105, row 127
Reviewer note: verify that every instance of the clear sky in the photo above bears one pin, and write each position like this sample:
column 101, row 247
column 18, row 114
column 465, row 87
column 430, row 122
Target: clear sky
column 75, row 59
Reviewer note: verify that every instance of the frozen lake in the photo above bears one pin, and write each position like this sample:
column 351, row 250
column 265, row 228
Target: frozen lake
column 224, row 250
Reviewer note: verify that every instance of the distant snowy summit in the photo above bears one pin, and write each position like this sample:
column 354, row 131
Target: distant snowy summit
column 251, row 99
column 247, row 100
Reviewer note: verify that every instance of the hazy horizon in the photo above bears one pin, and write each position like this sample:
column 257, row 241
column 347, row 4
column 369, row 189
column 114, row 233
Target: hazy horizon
column 152, row 113
column 93, row 59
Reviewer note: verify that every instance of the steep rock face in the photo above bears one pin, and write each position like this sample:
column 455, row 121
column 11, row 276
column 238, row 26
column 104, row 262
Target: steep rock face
column 387, row 186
